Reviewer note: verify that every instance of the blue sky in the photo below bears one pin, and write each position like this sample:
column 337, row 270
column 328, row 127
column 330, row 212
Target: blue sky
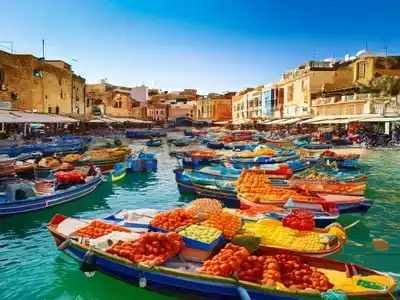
column 213, row 46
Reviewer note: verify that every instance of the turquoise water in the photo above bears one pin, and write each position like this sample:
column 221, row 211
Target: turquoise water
column 32, row 268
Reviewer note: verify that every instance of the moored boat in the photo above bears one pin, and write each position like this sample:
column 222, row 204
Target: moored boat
column 22, row 197
column 118, row 172
column 154, row 143
column 189, row 278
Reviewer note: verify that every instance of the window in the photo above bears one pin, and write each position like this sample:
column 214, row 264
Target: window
column 161, row 112
column 119, row 104
column 59, row 80
column 302, row 85
column 77, row 98
column 49, row 109
column 57, row 109
column 361, row 70
column 61, row 94
column 1, row 76
column 87, row 102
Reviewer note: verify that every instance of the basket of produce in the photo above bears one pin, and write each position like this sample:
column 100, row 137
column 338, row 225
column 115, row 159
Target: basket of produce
column 201, row 237
column 172, row 220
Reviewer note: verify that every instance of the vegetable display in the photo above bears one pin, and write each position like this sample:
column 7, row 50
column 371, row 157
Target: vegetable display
column 299, row 219
column 229, row 224
column 226, row 262
column 171, row 220
column 272, row 233
column 153, row 248
column 98, row 228
column 200, row 233
column 202, row 207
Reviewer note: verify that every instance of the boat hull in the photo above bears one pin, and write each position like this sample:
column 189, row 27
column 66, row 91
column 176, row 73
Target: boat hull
column 7, row 209
column 344, row 207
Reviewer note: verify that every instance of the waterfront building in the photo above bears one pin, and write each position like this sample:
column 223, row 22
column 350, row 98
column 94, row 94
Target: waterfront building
column 298, row 84
column 157, row 112
column 271, row 103
column 179, row 109
column 254, row 107
column 140, row 94
column 108, row 99
column 371, row 89
column 240, row 112
column 39, row 85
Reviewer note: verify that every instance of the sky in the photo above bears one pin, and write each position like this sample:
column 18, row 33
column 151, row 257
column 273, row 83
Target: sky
column 213, row 46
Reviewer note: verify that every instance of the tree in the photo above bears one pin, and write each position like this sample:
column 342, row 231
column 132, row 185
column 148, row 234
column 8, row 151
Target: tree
column 387, row 85
column 153, row 92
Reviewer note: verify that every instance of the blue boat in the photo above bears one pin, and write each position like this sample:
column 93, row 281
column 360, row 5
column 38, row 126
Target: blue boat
column 296, row 165
column 154, row 143
column 119, row 171
column 142, row 162
column 343, row 163
column 215, row 145
column 146, row 133
column 21, row 197
column 179, row 277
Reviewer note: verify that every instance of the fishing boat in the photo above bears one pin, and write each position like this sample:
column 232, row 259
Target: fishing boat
column 23, row 197
column 181, row 277
column 104, row 159
column 142, row 162
column 145, row 133
column 316, row 146
column 277, row 174
column 329, row 186
column 279, row 143
column 7, row 167
column 215, row 145
column 154, row 143
column 342, row 161
column 119, row 171
column 296, row 165
column 180, row 143
column 345, row 204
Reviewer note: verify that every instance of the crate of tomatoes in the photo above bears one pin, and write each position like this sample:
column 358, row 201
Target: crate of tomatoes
column 98, row 228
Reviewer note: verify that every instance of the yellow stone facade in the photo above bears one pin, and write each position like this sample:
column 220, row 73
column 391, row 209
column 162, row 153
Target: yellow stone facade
column 33, row 84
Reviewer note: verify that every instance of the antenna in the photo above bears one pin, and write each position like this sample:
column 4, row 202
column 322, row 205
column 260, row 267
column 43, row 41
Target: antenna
column 43, row 49
column 9, row 48
column 386, row 50
column 366, row 46
column 313, row 56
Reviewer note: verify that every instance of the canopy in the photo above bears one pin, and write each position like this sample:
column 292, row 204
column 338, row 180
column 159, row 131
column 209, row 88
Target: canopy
column 290, row 121
column 275, row 122
column 312, row 120
column 221, row 122
column 338, row 121
column 10, row 116
column 121, row 120
column 239, row 122
column 381, row 119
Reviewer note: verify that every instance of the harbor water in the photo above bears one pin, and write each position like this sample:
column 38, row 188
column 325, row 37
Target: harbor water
column 31, row 267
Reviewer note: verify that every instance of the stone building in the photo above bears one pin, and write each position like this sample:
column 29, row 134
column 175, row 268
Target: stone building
column 30, row 83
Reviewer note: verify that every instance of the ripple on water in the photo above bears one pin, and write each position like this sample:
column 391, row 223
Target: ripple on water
column 33, row 268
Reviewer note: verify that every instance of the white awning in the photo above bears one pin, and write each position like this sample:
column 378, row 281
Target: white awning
column 131, row 120
column 275, row 122
column 7, row 116
column 315, row 119
column 239, row 122
column 338, row 121
column 221, row 122
column 381, row 119
column 290, row 121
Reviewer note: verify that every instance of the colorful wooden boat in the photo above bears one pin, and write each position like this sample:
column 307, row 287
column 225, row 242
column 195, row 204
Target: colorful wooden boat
column 146, row 133
column 177, row 277
column 10, row 204
column 331, row 187
column 180, row 143
column 119, row 171
column 103, row 159
column 345, row 204
column 154, row 143
column 279, row 143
